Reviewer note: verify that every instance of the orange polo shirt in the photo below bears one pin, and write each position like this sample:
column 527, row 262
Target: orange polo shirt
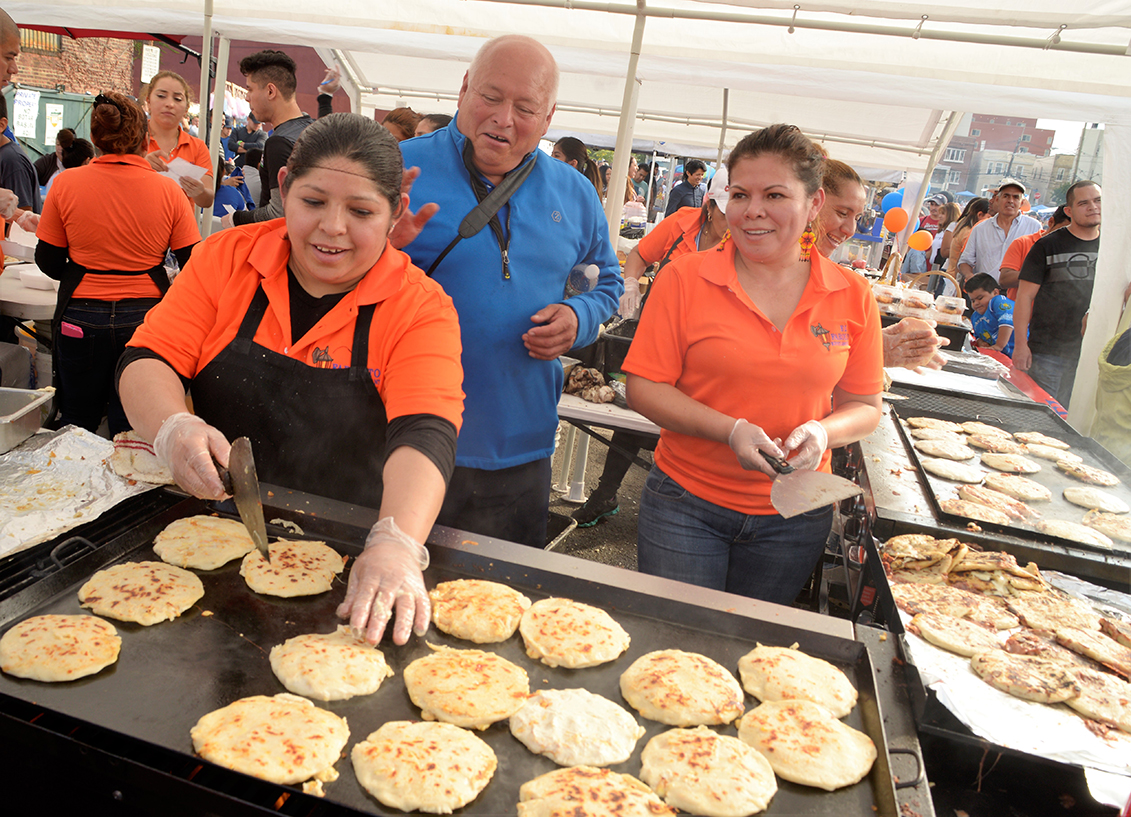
column 703, row 334
column 1014, row 257
column 683, row 222
column 414, row 342
column 189, row 148
column 117, row 214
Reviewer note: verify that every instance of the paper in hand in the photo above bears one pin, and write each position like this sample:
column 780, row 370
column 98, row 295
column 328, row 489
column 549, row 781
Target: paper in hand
column 179, row 168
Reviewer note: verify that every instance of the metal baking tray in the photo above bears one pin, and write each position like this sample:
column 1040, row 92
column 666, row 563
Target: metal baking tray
column 895, row 502
column 1013, row 417
column 171, row 674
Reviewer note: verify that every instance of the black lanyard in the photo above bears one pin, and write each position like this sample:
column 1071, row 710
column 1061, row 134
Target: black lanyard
column 486, row 211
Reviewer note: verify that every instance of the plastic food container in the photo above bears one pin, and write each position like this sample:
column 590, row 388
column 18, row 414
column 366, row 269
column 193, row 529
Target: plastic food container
column 886, row 295
column 917, row 299
column 19, row 415
column 949, row 305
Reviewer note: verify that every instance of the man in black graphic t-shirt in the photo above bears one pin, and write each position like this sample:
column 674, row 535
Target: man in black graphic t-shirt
column 1054, row 293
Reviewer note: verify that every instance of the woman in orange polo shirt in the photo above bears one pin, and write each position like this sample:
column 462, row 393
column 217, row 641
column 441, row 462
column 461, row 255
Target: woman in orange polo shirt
column 760, row 344
column 912, row 343
column 167, row 101
column 324, row 345
column 688, row 230
column 104, row 233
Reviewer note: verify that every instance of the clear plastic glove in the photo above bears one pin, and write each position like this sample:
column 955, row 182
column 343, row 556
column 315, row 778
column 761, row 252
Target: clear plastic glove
column 226, row 221
column 388, row 575
column 745, row 440
column 28, row 221
column 809, row 442
column 913, row 344
column 332, row 81
column 186, row 445
column 630, row 300
column 9, row 203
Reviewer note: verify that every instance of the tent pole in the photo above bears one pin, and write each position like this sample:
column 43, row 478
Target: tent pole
column 723, row 129
column 203, row 217
column 614, row 198
column 214, row 149
column 932, row 161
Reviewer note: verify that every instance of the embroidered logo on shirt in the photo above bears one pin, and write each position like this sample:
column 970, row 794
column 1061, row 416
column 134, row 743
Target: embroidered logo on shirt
column 556, row 216
column 829, row 338
column 323, row 359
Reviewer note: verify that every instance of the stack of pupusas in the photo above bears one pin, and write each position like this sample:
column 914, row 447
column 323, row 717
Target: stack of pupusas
column 1023, row 636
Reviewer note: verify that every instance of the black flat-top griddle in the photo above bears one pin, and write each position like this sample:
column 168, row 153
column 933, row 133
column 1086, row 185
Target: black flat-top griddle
column 171, row 674
column 1014, row 416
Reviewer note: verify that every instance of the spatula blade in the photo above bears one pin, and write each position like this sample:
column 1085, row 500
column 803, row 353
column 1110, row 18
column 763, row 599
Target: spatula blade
column 245, row 484
column 802, row 491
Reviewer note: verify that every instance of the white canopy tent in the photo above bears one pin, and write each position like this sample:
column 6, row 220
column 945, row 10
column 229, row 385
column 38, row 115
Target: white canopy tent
column 878, row 81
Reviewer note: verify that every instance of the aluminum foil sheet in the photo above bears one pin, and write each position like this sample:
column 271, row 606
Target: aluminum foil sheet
column 54, row 482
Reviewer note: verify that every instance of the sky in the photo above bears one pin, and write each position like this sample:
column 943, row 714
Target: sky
column 1067, row 137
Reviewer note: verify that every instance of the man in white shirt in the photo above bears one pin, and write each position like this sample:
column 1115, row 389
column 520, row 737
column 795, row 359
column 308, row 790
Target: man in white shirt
column 989, row 240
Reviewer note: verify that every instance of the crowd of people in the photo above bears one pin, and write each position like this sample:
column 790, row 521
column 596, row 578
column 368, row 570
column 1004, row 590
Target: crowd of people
column 402, row 353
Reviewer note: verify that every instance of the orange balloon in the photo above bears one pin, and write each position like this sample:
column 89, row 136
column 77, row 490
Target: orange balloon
column 1025, row 206
column 920, row 240
column 895, row 220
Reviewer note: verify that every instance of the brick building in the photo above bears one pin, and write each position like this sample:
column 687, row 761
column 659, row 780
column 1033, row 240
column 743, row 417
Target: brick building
column 1011, row 133
column 83, row 66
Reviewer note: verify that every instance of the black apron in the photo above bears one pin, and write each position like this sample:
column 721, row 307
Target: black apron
column 318, row 430
column 72, row 276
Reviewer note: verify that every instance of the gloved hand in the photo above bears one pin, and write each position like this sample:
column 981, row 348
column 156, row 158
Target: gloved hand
column 9, row 203
column 28, row 221
column 745, row 440
column 388, row 573
column 186, row 445
column 913, row 344
column 810, row 441
column 630, row 300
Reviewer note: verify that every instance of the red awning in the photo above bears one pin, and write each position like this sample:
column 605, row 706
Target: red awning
column 76, row 33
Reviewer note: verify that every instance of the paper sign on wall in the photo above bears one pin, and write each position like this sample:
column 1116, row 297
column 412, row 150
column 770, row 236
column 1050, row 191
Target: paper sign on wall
column 150, row 62
column 54, row 123
column 25, row 113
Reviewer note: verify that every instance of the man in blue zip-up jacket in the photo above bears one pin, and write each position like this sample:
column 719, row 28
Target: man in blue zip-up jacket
column 508, row 282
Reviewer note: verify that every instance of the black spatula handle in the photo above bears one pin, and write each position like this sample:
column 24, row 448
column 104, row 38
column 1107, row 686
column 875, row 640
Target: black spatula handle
column 779, row 464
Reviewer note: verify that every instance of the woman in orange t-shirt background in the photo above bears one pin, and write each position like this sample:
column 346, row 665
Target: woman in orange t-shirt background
column 757, row 345
column 167, row 101
column 104, row 233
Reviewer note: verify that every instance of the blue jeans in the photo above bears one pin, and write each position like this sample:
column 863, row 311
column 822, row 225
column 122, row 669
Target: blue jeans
column 767, row 557
column 86, row 363
column 1055, row 374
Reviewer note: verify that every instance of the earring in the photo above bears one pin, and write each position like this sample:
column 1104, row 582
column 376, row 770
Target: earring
column 808, row 239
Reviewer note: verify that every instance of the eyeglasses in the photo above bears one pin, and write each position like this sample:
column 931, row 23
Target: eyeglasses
column 102, row 99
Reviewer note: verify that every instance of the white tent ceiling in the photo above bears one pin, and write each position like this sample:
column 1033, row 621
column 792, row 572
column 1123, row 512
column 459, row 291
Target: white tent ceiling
column 880, row 100
column 875, row 79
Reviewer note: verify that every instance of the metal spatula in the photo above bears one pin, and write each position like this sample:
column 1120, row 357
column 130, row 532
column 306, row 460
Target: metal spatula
column 795, row 492
column 240, row 480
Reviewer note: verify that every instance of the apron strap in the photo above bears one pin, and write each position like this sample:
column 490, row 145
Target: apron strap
column 251, row 320
column 359, row 360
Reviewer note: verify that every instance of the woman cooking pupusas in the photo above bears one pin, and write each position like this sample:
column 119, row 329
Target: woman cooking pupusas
column 760, row 343
column 337, row 357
